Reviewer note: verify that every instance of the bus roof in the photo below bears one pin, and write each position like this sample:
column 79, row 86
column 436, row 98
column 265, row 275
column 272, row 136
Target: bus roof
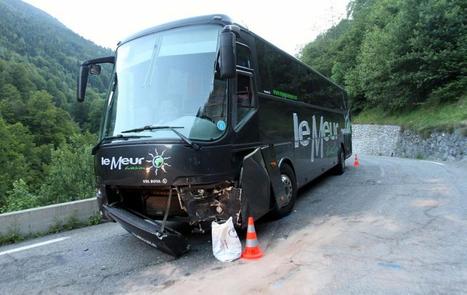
column 220, row 19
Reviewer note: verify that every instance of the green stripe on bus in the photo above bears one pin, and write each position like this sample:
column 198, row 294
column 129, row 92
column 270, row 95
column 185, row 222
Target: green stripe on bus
column 284, row 94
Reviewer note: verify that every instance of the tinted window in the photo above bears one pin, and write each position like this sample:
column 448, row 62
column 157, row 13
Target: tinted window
column 283, row 76
column 263, row 67
column 243, row 56
column 244, row 96
column 325, row 94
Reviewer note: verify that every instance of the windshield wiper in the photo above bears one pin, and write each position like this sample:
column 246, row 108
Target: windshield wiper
column 110, row 138
column 171, row 128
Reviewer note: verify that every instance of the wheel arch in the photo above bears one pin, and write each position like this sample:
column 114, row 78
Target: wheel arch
column 287, row 161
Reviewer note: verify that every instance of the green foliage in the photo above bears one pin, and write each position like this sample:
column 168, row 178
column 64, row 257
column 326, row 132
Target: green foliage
column 320, row 53
column 44, row 158
column 396, row 54
column 89, row 112
column 49, row 124
column 424, row 119
column 39, row 53
column 70, row 174
column 95, row 219
column 15, row 146
column 11, row 238
column 419, row 156
column 448, row 92
column 19, row 197
column 71, row 223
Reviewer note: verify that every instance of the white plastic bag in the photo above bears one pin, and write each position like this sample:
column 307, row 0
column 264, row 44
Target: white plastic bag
column 226, row 245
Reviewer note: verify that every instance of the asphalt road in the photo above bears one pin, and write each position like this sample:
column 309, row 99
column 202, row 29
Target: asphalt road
column 392, row 226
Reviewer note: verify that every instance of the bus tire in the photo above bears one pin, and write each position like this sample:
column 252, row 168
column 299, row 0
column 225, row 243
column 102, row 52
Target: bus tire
column 289, row 181
column 340, row 167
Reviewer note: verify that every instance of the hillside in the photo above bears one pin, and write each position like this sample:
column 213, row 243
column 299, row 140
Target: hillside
column 402, row 62
column 44, row 130
column 31, row 39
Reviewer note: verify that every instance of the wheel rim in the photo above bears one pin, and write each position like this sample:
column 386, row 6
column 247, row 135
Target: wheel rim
column 288, row 187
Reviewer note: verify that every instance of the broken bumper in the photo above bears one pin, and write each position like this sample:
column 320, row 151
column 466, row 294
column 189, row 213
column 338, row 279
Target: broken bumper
column 149, row 231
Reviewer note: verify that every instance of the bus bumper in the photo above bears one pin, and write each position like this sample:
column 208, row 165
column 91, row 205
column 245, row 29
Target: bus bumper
column 149, row 231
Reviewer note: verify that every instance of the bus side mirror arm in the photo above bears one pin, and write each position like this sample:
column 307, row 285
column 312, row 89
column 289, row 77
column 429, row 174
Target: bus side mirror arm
column 227, row 50
column 90, row 67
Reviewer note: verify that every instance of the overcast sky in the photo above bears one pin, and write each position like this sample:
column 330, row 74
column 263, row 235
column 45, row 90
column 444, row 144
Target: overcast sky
column 287, row 24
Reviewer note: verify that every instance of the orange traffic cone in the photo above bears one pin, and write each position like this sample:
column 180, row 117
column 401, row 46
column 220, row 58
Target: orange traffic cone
column 252, row 250
column 356, row 163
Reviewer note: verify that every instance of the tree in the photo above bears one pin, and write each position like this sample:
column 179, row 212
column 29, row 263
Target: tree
column 11, row 103
column 15, row 148
column 19, row 198
column 321, row 54
column 96, row 110
column 396, row 54
column 49, row 124
column 39, row 65
column 438, row 45
column 70, row 174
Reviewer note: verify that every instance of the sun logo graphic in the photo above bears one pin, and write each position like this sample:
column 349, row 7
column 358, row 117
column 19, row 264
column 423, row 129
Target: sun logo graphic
column 158, row 161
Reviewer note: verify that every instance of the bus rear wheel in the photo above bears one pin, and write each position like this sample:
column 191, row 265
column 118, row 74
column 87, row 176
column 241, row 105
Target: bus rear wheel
column 290, row 186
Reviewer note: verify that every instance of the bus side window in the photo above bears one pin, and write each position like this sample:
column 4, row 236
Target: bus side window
column 245, row 102
column 243, row 56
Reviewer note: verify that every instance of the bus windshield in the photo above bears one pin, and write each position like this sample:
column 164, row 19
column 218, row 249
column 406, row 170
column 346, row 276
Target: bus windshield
column 168, row 79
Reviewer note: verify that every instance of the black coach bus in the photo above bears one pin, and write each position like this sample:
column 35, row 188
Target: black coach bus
column 204, row 121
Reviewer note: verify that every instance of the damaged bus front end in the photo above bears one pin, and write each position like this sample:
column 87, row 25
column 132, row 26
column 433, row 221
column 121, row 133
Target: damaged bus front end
column 154, row 183
column 168, row 148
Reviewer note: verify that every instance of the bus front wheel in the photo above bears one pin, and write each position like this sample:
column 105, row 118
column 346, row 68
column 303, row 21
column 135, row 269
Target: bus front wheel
column 290, row 185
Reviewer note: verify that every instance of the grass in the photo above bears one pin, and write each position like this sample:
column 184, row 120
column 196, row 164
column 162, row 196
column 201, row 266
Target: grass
column 419, row 157
column 72, row 223
column 423, row 120
column 11, row 238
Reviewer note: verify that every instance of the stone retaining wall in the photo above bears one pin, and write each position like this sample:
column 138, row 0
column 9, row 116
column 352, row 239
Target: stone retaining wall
column 390, row 140
column 378, row 140
column 438, row 146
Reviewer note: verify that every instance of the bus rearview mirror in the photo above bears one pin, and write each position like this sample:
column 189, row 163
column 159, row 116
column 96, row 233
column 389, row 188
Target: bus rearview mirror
column 92, row 67
column 227, row 54
column 82, row 81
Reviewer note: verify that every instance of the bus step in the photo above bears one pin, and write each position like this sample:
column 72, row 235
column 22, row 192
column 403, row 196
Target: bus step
column 149, row 231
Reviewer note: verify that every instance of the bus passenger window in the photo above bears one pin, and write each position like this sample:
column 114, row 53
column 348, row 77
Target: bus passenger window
column 243, row 56
column 244, row 96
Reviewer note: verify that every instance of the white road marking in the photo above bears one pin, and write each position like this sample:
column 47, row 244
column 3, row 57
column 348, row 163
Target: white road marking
column 437, row 163
column 33, row 246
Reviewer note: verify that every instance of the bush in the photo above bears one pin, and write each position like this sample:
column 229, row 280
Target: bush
column 449, row 92
column 17, row 152
column 19, row 197
column 70, row 175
